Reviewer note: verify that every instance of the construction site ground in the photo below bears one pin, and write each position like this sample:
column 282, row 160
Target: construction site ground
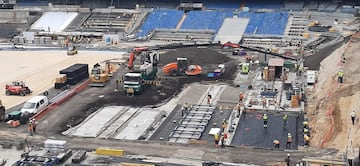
column 249, row 134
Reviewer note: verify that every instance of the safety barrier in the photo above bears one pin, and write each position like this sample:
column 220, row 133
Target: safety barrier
column 109, row 152
column 52, row 106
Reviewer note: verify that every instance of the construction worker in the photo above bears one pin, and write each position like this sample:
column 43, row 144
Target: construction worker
column 209, row 99
column 241, row 97
column 184, row 109
column 306, row 124
column 224, row 124
column 307, row 131
column 216, row 138
column 285, row 118
column 33, row 122
column 340, row 76
column 289, row 140
column 277, row 144
column 287, row 160
column 222, row 140
column 264, row 102
column 352, row 115
column 238, row 110
column 30, row 128
column 306, row 140
column 265, row 118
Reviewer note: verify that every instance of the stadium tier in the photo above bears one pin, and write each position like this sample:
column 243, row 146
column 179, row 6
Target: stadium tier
column 211, row 20
column 163, row 19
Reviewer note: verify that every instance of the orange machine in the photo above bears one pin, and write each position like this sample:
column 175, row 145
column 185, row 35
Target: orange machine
column 136, row 51
column 180, row 67
column 230, row 45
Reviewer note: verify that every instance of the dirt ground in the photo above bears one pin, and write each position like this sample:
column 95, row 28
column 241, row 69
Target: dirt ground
column 88, row 101
column 40, row 68
column 330, row 109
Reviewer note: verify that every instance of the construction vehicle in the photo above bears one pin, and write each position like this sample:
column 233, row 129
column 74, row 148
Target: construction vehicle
column 17, row 88
column 245, row 68
column 99, row 76
column 138, row 51
column 230, row 45
column 72, row 50
column 141, row 76
column 217, row 72
column 181, row 67
column 2, row 111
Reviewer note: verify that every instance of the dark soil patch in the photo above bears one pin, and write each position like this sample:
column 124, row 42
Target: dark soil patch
column 156, row 94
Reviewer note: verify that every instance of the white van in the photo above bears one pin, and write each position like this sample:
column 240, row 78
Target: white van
column 311, row 77
column 35, row 104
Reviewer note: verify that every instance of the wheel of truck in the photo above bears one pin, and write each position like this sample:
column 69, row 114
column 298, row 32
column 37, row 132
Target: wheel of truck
column 22, row 93
column 7, row 93
column 28, row 91
column 46, row 93
column 173, row 72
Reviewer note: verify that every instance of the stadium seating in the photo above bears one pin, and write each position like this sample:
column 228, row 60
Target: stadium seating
column 163, row 19
column 273, row 23
column 205, row 20
column 263, row 4
column 293, row 5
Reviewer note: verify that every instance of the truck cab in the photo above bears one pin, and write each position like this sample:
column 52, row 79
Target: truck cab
column 134, row 82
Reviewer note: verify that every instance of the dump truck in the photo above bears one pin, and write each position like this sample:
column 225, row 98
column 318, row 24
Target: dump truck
column 141, row 76
column 136, row 82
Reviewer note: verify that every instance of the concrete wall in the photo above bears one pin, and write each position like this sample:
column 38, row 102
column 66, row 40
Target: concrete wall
column 11, row 16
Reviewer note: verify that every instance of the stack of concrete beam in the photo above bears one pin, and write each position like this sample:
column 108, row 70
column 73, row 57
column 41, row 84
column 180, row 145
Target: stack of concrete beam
column 76, row 73
column 55, row 145
column 192, row 125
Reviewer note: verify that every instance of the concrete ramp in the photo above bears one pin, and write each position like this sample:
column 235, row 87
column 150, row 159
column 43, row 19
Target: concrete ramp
column 54, row 21
column 97, row 122
column 138, row 125
column 232, row 30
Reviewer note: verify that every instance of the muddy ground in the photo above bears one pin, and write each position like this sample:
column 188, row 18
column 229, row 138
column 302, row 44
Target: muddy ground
column 89, row 101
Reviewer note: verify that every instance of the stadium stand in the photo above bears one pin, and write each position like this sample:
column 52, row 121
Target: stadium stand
column 78, row 21
column 327, row 6
column 31, row 3
column 162, row 19
column 263, row 4
column 205, row 20
column 311, row 5
column 113, row 21
column 183, row 35
column 272, row 23
column 294, row 5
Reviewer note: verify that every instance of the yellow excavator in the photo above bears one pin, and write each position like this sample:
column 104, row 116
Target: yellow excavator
column 99, row 76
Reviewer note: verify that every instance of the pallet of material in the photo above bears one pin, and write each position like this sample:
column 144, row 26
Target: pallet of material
column 78, row 157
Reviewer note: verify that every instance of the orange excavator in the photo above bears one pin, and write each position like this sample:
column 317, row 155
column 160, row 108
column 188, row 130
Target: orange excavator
column 135, row 52
column 181, row 67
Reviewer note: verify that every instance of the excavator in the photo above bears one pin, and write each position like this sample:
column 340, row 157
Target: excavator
column 99, row 76
column 181, row 67
column 134, row 53
column 72, row 50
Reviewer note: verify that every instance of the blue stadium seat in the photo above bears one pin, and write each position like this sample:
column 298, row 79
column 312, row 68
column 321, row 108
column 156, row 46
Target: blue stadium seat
column 163, row 19
column 273, row 23
column 205, row 20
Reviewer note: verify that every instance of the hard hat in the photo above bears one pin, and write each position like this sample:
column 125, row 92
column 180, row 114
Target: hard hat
column 289, row 133
column 265, row 114
column 288, row 154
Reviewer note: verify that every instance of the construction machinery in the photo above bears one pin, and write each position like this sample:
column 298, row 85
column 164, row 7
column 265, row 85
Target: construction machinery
column 17, row 88
column 137, row 52
column 99, row 76
column 72, row 50
column 181, row 67
column 2, row 111
column 220, row 70
column 141, row 76
column 230, row 45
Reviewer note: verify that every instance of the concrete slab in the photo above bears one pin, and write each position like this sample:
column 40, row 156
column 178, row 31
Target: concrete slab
column 96, row 123
column 137, row 126
column 189, row 154
column 54, row 21
column 113, row 128
column 232, row 30
column 250, row 131
column 196, row 94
